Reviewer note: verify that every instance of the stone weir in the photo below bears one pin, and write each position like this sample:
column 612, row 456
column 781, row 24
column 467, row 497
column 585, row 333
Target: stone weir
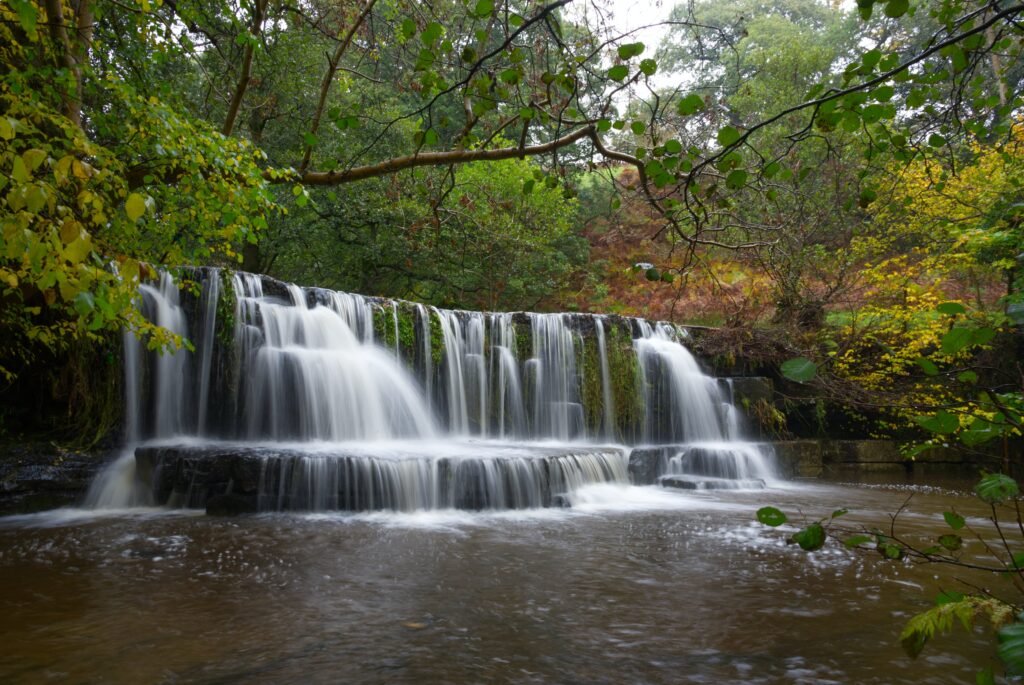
column 238, row 478
column 283, row 370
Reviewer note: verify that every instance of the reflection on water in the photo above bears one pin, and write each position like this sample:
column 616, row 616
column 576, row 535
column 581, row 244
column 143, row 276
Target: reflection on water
column 631, row 585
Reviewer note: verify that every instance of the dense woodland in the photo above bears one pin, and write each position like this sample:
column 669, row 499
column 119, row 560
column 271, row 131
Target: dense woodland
column 835, row 189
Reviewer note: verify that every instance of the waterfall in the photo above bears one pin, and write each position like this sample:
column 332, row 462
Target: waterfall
column 210, row 298
column 509, row 393
column 557, row 412
column 608, row 415
column 455, row 378
column 426, row 349
column 312, row 379
column 170, row 379
column 682, row 403
column 298, row 369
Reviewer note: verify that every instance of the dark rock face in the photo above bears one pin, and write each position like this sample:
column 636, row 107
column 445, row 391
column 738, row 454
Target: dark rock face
column 232, row 504
column 707, row 483
column 647, row 463
column 35, row 476
column 237, row 479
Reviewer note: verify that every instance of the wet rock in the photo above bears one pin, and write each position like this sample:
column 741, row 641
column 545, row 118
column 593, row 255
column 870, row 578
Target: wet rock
column 232, row 504
column 678, row 482
column 39, row 475
column 798, row 458
column 647, row 463
column 561, row 501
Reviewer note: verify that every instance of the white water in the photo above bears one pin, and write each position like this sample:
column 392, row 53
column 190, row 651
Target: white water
column 309, row 375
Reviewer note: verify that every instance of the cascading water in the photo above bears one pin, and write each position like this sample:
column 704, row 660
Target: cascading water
column 685, row 406
column 293, row 405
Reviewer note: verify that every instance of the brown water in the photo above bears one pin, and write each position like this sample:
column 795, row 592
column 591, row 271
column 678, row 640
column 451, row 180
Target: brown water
column 639, row 586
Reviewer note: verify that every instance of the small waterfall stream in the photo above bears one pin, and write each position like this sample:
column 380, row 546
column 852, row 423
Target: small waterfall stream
column 311, row 399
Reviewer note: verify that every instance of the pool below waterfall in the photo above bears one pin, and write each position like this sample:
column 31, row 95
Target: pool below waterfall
column 630, row 585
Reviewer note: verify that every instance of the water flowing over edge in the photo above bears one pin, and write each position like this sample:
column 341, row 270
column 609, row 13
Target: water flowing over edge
column 275, row 364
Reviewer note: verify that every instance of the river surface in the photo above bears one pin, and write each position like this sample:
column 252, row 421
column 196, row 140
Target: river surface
column 633, row 585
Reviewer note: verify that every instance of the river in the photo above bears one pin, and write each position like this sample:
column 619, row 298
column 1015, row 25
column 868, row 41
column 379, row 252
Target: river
column 631, row 585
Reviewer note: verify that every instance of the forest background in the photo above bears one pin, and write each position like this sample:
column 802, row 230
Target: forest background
column 834, row 188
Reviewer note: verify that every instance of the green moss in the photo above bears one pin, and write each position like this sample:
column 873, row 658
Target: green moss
column 626, row 383
column 226, row 306
column 591, row 390
column 225, row 353
column 406, row 330
column 436, row 339
column 524, row 340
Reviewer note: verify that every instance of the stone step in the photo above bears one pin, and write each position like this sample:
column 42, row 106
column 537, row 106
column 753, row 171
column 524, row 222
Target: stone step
column 692, row 482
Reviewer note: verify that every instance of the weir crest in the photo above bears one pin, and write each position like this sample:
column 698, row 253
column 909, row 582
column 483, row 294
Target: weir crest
column 310, row 399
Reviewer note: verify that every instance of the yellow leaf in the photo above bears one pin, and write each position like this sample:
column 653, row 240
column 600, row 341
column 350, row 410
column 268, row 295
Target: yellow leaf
column 19, row 172
column 33, row 158
column 67, row 291
column 6, row 129
column 135, row 206
column 62, row 167
column 78, row 250
column 70, row 230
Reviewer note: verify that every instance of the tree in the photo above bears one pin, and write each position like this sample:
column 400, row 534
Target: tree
column 196, row 112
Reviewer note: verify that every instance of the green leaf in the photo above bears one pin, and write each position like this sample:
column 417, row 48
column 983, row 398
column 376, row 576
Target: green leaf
column 648, row 67
column 942, row 423
column 935, row 140
column 690, row 104
column 810, row 538
column 408, row 28
column 799, row 369
column 867, row 196
column 982, row 336
column 995, row 488
column 770, row 516
column 653, row 274
column 630, row 50
column 28, row 16
column 528, row 186
column 1011, row 648
column 955, row 520
column 890, row 550
column 927, row 366
column 956, row 339
column 638, row 127
column 951, row 308
column 883, row 93
column 951, row 542
column 856, row 541
column 967, row 377
column 736, row 179
column 483, row 8
column 727, row 136
column 896, row 8
column 948, row 596
column 619, row 72
column 135, row 206
column 309, row 139
column 431, row 33
column 84, row 303
column 673, row 147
